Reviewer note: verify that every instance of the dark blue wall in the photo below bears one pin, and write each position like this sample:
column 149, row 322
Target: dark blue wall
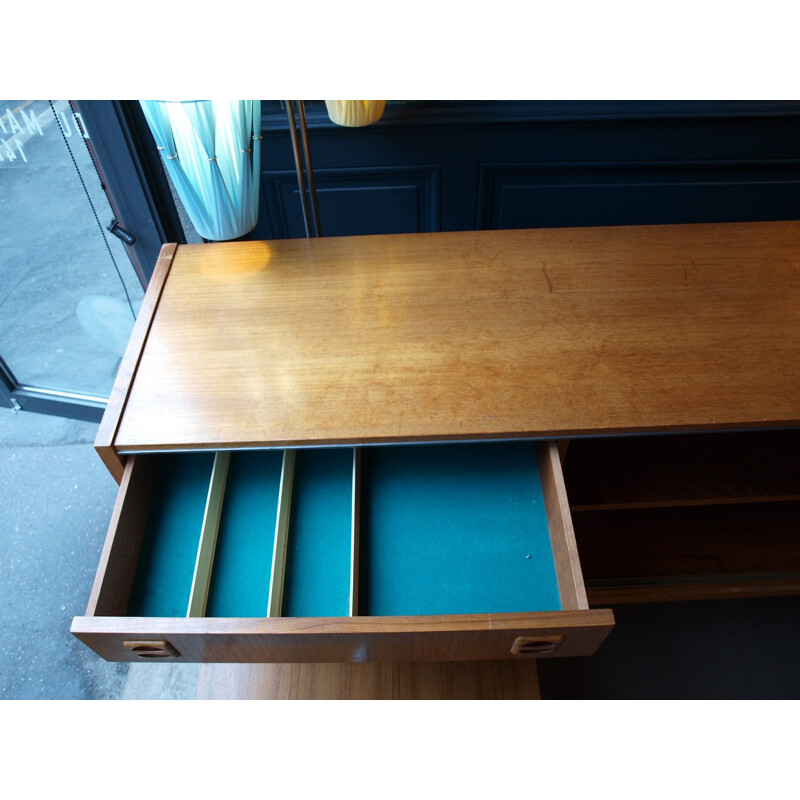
column 472, row 165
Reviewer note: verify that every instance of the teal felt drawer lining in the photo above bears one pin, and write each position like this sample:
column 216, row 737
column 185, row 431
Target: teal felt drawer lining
column 444, row 529
column 455, row 529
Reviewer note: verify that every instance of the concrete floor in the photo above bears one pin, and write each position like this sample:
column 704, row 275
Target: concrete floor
column 56, row 499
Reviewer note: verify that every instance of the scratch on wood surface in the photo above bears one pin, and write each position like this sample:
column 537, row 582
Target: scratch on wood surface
column 597, row 350
column 547, row 278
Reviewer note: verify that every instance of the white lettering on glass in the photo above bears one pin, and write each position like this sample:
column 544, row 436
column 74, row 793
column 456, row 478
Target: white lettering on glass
column 9, row 153
column 31, row 121
column 80, row 125
column 11, row 124
column 15, row 126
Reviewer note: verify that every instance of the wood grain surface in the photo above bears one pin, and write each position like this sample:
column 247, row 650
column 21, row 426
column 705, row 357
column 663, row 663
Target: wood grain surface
column 487, row 334
column 447, row 680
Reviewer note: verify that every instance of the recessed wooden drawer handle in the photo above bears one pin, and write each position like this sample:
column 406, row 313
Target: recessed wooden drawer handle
column 152, row 649
column 535, row 645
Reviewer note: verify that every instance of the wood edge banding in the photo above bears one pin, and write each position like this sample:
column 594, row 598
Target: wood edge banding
column 107, row 431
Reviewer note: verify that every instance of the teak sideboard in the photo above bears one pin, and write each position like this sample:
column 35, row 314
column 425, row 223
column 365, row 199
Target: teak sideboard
column 449, row 446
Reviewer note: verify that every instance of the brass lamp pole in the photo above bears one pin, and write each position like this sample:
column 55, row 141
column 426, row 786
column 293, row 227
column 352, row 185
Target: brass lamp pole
column 312, row 215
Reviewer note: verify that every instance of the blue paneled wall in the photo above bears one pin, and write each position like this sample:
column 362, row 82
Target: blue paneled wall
column 432, row 166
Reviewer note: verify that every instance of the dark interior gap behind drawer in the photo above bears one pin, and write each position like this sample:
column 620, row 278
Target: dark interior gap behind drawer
column 240, row 578
column 683, row 469
column 164, row 573
column 454, row 529
column 725, row 540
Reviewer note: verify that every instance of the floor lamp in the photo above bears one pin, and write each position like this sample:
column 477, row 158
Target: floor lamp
column 310, row 215
column 349, row 113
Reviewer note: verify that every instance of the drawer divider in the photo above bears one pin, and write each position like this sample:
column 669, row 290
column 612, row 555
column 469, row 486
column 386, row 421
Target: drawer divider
column 201, row 580
column 355, row 531
column 281, row 535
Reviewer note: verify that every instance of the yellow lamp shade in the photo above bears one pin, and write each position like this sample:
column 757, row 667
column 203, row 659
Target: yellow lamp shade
column 355, row 113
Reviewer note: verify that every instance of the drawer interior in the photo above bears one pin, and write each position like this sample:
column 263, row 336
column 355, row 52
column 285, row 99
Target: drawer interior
column 377, row 531
column 455, row 529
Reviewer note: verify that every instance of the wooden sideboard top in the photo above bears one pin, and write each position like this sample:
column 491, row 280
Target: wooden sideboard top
column 487, row 334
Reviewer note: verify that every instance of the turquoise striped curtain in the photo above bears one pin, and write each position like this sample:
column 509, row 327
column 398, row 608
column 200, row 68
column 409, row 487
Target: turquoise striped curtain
column 212, row 151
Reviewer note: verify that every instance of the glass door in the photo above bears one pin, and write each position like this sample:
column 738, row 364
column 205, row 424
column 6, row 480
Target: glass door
column 69, row 293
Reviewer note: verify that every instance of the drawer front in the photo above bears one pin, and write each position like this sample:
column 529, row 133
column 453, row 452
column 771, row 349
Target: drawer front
column 468, row 637
column 424, row 552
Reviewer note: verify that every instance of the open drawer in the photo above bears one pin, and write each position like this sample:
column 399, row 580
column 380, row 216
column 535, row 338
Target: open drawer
column 396, row 553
